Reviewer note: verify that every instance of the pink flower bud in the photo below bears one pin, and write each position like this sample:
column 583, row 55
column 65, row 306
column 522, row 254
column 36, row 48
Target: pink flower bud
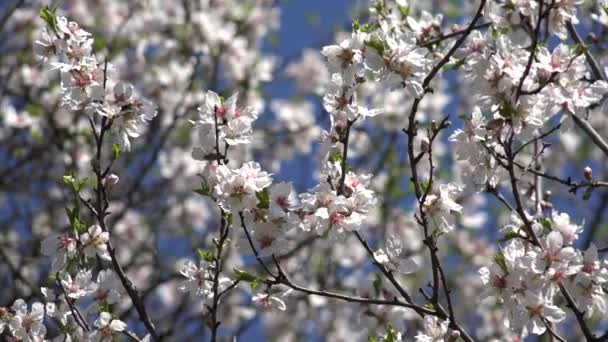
column 112, row 179
column 588, row 173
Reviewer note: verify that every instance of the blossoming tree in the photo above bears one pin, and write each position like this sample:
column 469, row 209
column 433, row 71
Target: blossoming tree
column 457, row 153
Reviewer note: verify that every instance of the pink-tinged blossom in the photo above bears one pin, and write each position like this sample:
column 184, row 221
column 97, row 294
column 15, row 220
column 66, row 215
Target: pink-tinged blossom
column 61, row 248
column 94, row 242
column 107, row 328
column 27, row 325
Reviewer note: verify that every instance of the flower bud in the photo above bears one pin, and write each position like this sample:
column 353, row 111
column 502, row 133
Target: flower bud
column 425, row 145
column 112, row 179
column 588, row 173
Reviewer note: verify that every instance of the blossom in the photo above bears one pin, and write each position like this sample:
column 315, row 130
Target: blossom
column 198, row 278
column 440, row 207
column 310, row 72
column 435, row 330
column 107, row 327
column 561, row 223
column 344, row 58
column 231, row 121
column 60, row 248
column 94, row 241
column 237, row 189
column 267, row 300
column 27, row 325
column 106, row 291
column 534, row 308
column 79, row 286
column 282, row 199
column 394, row 257
column 553, row 252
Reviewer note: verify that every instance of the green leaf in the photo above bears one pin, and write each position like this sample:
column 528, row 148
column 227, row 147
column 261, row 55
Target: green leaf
column 34, row 109
column 426, row 186
column 255, row 284
column 546, row 223
column 241, row 275
column 263, row 198
column 377, row 283
column 68, row 179
column 336, row 157
column 579, row 49
column 429, row 306
column 74, row 182
column 509, row 236
column 207, row 256
column 49, row 17
column 499, row 258
column 456, row 65
column 465, row 117
column 204, row 190
column 391, row 335
column 356, row 25
column 115, row 151
column 376, row 44
column 404, row 10
column 104, row 306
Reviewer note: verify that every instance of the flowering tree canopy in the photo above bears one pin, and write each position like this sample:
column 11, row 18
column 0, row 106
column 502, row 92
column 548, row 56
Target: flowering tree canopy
column 450, row 178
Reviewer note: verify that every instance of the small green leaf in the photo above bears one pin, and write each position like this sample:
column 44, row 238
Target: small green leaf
column 391, row 335
column 263, row 198
column 104, row 306
column 356, row 25
column 336, row 157
column 241, row 275
column 377, row 45
column 255, row 284
column 204, row 190
column 49, row 17
column 34, row 109
column 546, row 223
column 509, row 236
column 404, row 10
column 465, row 117
column 579, row 49
column 456, row 65
column 426, row 186
column 115, row 151
column 207, row 256
column 377, row 283
column 68, row 179
column 499, row 258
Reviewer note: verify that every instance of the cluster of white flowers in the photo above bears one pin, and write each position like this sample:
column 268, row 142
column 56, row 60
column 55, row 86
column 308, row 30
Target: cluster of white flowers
column 333, row 211
column 28, row 325
column 64, row 248
column 84, row 80
column 518, row 85
column 24, row 324
column 525, row 279
column 232, row 122
column 199, row 279
column 555, row 82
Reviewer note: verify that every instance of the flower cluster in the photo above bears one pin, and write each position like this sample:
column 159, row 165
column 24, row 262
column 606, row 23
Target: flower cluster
column 64, row 248
column 84, row 80
column 333, row 210
column 222, row 121
column 528, row 280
